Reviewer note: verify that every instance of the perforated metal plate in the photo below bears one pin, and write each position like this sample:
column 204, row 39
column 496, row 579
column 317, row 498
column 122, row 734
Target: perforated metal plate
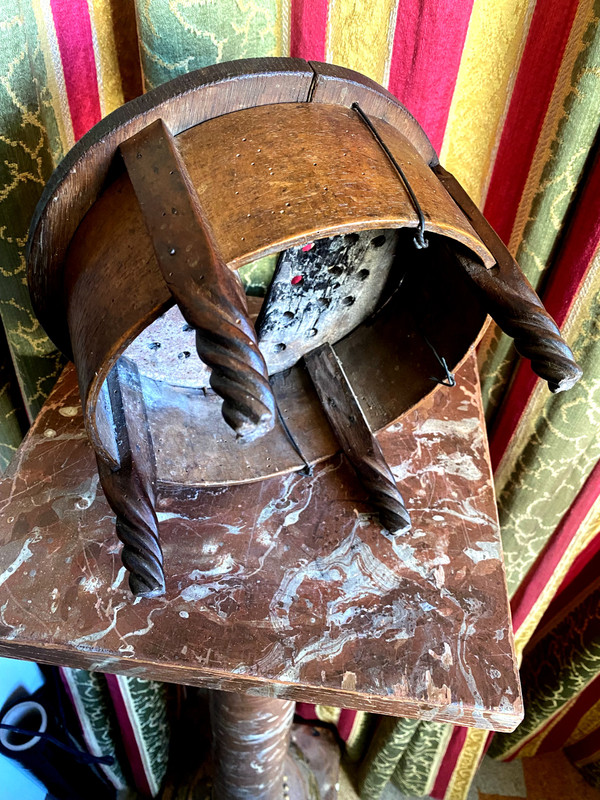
column 319, row 293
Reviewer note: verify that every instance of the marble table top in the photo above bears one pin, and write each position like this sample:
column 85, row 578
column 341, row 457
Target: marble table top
column 286, row 588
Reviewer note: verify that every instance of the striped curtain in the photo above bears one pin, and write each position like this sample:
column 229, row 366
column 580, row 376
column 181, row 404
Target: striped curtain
column 509, row 93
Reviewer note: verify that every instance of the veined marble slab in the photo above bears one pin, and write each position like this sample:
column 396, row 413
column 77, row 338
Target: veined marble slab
column 286, row 588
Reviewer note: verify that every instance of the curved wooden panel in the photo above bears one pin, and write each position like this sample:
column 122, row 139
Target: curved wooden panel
column 79, row 179
column 182, row 103
column 268, row 179
column 272, row 177
column 333, row 84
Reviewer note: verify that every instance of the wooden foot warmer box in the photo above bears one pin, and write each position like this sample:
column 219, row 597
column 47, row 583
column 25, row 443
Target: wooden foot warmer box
column 314, row 460
column 385, row 276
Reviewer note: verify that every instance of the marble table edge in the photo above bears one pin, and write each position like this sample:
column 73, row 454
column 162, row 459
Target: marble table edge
column 470, row 716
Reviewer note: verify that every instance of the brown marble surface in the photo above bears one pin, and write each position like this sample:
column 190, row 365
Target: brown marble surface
column 285, row 588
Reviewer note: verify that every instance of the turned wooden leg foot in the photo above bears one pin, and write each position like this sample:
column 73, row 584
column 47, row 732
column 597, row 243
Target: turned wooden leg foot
column 251, row 737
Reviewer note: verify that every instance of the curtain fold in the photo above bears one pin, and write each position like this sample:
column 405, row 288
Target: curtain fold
column 509, row 92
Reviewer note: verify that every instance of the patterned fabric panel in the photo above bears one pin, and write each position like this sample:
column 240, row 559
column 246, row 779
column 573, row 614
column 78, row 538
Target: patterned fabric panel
column 417, row 769
column 141, row 709
column 389, row 744
column 178, row 36
column 90, row 698
column 539, row 187
column 551, row 681
column 29, row 145
column 13, row 420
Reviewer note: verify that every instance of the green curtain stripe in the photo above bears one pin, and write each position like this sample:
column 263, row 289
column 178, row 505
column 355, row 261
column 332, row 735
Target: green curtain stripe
column 557, row 459
column 391, row 739
column 558, row 668
column 13, row 421
column 94, row 708
column 177, row 36
column 417, row 768
column 27, row 146
column 576, row 131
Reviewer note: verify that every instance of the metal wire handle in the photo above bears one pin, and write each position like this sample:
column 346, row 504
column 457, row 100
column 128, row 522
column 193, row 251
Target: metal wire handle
column 420, row 241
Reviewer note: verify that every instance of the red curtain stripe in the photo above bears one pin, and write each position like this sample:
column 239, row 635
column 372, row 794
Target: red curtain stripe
column 74, row 35
column 574, row 260
column 428, row 45
column 542, row 57
column 309, row 29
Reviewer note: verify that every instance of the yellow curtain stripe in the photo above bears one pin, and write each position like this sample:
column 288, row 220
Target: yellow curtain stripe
column 587, row 724
column 108, row 74
column 284, row 15
column 554, row 115
column 360, row 35
column 54, row 73
column 467, row 764
column 493, row 47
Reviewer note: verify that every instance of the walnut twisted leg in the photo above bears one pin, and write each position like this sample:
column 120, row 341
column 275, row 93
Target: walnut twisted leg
column 129, row 486
column 208, row 293
column 352, row 431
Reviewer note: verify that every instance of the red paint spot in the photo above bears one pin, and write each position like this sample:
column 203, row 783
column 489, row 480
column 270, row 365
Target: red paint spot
column 296, row 280
column 308, row 247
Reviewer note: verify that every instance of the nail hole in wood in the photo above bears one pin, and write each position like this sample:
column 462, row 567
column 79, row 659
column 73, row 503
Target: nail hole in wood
column 363, row 274
column 288, row 315
column 311, row 333
column 348, row 301
column 184, row 354
column 335, row 270
column 154, row 345
column 279, row 347
column 378, row 241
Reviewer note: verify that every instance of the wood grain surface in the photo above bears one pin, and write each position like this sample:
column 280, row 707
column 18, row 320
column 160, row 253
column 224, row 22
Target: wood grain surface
column 209, row 294
column 182, row 103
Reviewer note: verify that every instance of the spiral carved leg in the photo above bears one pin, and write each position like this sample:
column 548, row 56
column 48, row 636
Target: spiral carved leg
column 226, row 342
column 208, row 293
column 354, row 435
column 132, row 500
column 376, row 476
column 129, row 485
column 512, row 302
column 519, row 313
